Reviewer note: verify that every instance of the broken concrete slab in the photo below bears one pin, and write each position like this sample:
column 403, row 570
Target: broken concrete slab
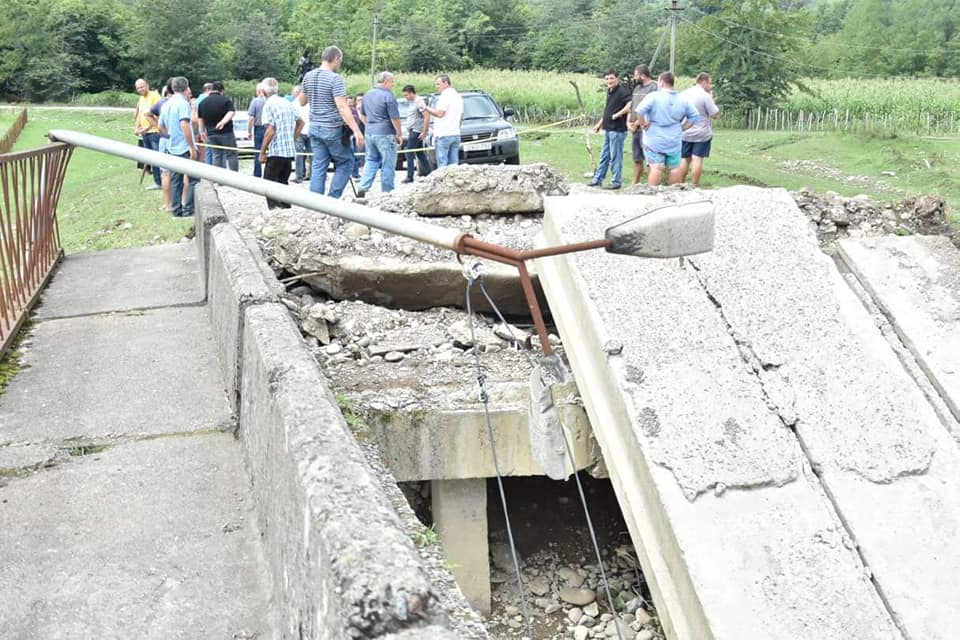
column 18, row 459
column 915, row 280
column 122, row 280
column 86, row 378
column 890, row 468
column 347, row 262
column 499, row 189
column 152, row 539
column 692, row 446
column 423, row 408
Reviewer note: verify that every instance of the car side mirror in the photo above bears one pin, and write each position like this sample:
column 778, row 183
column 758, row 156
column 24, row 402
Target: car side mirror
column 508, row 112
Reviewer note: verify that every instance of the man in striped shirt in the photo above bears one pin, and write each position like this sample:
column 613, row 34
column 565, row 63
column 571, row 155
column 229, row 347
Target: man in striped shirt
column 326, row 93
column 282, row 121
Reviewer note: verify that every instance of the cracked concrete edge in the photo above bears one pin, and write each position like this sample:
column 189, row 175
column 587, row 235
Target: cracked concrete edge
column 906, row 355
column 342, row 561
column 235, row 281
column 208, row 214
column 903, row 309
column 680, row 565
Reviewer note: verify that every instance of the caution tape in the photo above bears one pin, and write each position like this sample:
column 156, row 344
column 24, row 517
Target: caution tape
column 399, row 151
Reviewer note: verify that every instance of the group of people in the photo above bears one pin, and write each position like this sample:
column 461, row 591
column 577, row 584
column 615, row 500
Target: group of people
column 671, row 131
column 340, row 128
column 173, row 121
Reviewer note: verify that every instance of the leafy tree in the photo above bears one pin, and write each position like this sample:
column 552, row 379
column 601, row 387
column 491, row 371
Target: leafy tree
column 750, row 47
column 174, row 38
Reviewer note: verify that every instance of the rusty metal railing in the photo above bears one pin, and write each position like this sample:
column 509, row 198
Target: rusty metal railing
column 9, row 137
column 30, row 186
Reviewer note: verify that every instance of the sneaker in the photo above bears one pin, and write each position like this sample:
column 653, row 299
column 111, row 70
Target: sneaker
column 152, row 187
column 613, row 187
column 593, row 184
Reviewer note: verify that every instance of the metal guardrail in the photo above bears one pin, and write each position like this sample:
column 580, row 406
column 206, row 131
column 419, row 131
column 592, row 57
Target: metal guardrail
column 30, row 186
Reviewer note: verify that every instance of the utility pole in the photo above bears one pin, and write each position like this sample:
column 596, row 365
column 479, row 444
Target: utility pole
column 373, row 50
column 674, row 9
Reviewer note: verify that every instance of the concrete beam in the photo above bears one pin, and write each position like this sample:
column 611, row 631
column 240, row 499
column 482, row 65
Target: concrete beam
column 208, row 213
column 915, row 280
column 460, row 518
column 235, row 282
column 342, row 562
column 736, row 534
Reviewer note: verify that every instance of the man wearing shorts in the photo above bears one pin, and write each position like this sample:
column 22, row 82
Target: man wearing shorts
column 697, row 139
column 661, row 116
column 643, row 87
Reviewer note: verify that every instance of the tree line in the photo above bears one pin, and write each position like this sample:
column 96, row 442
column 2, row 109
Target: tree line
column 756, row 49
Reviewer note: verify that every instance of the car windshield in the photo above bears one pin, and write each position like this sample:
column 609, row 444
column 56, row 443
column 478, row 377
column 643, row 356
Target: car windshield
column 404, row 108
column 479, row 106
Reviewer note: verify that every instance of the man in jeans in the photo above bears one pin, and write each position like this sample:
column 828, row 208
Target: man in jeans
column 142, row 126
column 446, row 128
column 383, row 134
column 176, row 123
column 216, row 127
column 418, row 123
column 614, row 125
column 326, row 93
column 255, row 127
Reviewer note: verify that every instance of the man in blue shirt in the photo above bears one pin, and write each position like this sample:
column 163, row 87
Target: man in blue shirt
column 176, row 123
column 664, row 115
column 383, row 134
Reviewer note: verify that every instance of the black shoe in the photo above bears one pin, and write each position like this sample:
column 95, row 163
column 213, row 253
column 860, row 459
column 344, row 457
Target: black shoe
column 406, row 180
column 593, row 184
column 361, row 193
column 613, row 187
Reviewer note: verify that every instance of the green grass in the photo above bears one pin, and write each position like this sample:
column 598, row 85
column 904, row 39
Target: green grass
column 103, row 193
column 761, row 158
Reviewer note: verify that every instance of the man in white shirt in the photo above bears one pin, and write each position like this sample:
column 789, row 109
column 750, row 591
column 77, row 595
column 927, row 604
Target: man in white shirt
column 697, row 139
column 446, row 127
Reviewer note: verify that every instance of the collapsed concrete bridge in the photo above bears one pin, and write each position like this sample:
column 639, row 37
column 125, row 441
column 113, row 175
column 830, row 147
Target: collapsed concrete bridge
column 785, row 467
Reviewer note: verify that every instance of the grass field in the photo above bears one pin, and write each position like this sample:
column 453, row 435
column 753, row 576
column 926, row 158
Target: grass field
column 845, row 163
column 104, row 205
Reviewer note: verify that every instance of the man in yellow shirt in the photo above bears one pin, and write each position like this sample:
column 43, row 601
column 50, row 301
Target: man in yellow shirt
column 142, row 126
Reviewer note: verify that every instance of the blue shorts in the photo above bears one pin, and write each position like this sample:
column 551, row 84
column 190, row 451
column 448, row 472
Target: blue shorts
column 671, row 160
column 699, row 149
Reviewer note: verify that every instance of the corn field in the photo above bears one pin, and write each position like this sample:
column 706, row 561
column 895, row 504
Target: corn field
column 924, row 105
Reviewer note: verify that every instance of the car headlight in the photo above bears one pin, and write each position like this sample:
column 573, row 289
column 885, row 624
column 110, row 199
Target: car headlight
column 506, row 134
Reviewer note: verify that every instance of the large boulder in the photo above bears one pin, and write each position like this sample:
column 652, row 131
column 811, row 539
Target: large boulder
column 495, row 189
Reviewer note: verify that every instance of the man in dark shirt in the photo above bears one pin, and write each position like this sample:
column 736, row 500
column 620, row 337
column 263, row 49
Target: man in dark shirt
column 614, row 125
column 216, row 127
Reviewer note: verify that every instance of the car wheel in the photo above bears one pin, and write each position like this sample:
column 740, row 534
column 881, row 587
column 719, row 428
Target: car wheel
column 513, row 159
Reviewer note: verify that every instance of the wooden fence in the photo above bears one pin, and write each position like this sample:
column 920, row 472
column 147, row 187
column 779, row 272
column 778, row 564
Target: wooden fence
column 13, row 133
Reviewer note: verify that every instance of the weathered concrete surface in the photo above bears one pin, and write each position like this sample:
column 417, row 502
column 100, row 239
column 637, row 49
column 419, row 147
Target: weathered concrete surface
column 151, row 539
column 890, row 468
column 208, row 213
column 115, row 376
column 122, row 280
column 474, row 189
column 735, row 533
column 394, row 282
column 460, row 517
column 915, row 280
column 343, row 564
column 235, row 281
